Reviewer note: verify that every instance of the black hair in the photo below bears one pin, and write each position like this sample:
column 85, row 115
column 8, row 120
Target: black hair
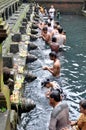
column 44, row 29
column 57, row 22
column 54, row 39
column 46, row 22
column 51, row 19
column 45, row 82
column 55, row 27
column 49, row 24
column 53, row 54
column 55, row 94
column 83, row 103
column 64, row 31
column 60, row 30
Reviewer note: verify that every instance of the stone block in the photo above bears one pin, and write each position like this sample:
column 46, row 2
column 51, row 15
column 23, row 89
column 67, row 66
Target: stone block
column 25, row 20
column 8, row 61
column 22, row 29
column 16, row 37
column 28, row 17
column 28, row 13
column 14, row 48
column 24, row 24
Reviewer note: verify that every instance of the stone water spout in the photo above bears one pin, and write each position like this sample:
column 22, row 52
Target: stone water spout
column 29, row 77
column 32, row 46
column 30, row 58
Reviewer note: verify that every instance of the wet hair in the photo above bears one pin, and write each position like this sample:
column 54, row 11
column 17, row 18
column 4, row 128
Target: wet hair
column 44, row 29
column 46, row 22
column 57, row 22
column 51, row 19
column 55, row 27
column 83, row 103
column 45, row 82
column 54, row 39
column 64, row 31
column 55, row 95
column 53, row 54
column 60, row 30
column 49, row 24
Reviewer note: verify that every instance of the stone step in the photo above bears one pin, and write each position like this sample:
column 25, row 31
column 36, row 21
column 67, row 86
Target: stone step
column 5, row 28
column 1, row 20
column 4, row 33
column 2, row 24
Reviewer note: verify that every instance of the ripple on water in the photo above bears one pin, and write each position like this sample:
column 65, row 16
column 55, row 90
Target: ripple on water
column 73, row 74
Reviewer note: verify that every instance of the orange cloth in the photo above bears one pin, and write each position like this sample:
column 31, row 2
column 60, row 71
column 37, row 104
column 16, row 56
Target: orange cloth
column 41, row 9
column 82, row 122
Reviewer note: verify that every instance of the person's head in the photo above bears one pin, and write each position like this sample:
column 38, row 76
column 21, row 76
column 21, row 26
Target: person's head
column 51, row 19
column 52, row 55
column 46, row 83
column 52, row 6
column 54, row 98
column 55, row 27
column 57, row 23
column 44, row 29
column 46, row 22
column 60, row 30
column 54, row 39
column 64, row 32
column 49, row 24
column 83, row 106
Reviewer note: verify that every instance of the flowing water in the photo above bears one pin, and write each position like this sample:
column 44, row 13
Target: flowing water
column 73, row 74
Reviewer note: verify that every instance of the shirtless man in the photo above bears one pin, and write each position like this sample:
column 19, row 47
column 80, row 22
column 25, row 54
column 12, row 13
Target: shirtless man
column 54, row 45
column 55, row 70
column 61, row 38
column 45, row 35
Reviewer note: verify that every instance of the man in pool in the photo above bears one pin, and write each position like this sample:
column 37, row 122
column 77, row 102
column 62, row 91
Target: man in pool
column 45, row 35
column 55, row 70
column 60, row 114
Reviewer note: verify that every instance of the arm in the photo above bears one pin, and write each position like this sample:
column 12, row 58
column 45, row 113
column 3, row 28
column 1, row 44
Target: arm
column 52, row 70
column 52, row 125
column 47, row 94
column 73, row 123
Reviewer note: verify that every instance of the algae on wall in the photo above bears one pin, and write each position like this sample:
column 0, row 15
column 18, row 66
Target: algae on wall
column 3, row 88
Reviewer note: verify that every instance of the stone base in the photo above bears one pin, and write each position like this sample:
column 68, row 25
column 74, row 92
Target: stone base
column 16, row 37
column 22, row 30
column 14, row 48
column 8, row 62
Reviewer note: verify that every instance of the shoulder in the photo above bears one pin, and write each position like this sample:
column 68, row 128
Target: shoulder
column 57, row 62
column 59, row 108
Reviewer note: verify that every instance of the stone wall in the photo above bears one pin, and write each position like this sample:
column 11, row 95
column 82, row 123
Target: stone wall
column 65, row 6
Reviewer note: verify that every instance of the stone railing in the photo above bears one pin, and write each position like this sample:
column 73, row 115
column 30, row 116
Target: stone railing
column 6, row 3
column 8, row 7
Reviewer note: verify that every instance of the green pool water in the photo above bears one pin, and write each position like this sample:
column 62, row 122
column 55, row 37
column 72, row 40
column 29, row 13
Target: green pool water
column 73, row 74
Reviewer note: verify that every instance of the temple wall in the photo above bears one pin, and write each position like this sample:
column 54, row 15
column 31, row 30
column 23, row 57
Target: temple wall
column 65, row 6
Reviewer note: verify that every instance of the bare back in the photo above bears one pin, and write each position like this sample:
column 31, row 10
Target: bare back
column 56, row 68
